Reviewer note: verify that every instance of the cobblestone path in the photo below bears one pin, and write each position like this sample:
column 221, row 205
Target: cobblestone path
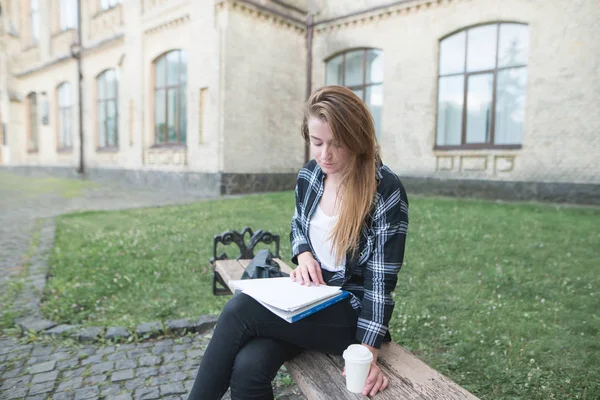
column 154, row 369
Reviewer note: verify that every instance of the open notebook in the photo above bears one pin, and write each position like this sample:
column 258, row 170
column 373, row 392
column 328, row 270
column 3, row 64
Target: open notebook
column 290, row 300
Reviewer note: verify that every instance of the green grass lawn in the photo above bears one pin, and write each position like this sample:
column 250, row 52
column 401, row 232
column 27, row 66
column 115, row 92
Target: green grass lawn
column 502, row 298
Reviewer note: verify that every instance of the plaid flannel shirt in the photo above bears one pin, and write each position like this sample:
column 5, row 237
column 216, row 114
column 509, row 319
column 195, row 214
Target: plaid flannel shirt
column 372, row 273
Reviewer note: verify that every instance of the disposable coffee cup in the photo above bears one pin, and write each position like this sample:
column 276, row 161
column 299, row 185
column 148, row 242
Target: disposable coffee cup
column 358, row 362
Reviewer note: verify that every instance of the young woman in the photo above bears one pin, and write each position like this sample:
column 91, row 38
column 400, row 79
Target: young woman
column 349, row 230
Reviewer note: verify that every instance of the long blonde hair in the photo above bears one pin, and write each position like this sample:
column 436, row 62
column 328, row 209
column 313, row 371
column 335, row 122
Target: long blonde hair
column 352, row 126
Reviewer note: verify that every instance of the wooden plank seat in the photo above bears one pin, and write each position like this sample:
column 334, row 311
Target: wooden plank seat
column 319, row 375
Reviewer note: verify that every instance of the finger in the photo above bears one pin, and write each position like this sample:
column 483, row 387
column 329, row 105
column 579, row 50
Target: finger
column 371, row 379
column 314, row 276
column 320, row 275
column 344, row 372
column 293, row 276
column 377, row 385
column 373, row 374
column 386, row 381
column 299, row 275
column 305, row 276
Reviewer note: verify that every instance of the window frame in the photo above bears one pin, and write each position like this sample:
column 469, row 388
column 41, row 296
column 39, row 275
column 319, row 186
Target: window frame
column 181, row 87
column 108, row 6
column 34, row 30
column 364, row 85
column 67, row 24
column 466, row 74
column 104, row 102
column 65, row 113
column 32, row 123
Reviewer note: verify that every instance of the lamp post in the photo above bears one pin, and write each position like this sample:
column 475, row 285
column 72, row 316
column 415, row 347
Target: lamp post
column 44, row 108
column 76, row 52
column 309, row 53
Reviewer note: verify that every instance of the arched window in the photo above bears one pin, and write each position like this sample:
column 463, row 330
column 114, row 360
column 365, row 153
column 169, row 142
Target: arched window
column 32, row 122
column 362, row 71
column 481, row 86
column 65, row 116
column 108, row 109
column 170, row 108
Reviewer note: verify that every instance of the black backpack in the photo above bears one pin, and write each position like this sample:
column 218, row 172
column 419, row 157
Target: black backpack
column 263, row 266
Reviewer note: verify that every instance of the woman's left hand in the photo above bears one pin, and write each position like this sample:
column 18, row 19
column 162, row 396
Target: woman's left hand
column 376, row 381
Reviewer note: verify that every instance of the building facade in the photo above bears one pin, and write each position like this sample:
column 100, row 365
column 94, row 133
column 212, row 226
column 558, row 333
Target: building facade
column 489, row 96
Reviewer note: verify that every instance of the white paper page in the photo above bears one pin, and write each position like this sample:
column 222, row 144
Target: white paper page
column 283, row 293
column 288, row 315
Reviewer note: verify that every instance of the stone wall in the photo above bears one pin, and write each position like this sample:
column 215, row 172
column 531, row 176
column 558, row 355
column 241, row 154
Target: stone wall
column 327, row 9
column 264, row 75
column 196, row 183
column 559, row 192
column 560, row 141
column 46, row 86
column 129, row 49
column 256, row 183
column 217, row 184
column 247, row 77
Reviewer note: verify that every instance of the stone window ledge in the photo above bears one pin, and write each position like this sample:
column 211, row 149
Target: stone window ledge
column 62, row 32
column 477, row 147
column 167, row 146
column 101, row 12
column 108, row 149
column 173, row 155
column 31, row 47
column 486, row 162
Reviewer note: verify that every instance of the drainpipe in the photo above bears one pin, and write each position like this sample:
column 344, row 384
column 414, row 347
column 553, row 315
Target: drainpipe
column 309, row 39
column 81, row 169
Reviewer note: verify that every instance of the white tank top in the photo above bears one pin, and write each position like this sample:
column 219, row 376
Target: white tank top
column 319, row 229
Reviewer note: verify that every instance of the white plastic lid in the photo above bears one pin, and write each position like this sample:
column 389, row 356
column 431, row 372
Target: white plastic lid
column 358, row 353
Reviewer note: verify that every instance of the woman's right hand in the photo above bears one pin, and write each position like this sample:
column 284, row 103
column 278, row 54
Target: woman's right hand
column 308, row 270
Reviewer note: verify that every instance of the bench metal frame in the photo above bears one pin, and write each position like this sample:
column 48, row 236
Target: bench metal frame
column 246, row 251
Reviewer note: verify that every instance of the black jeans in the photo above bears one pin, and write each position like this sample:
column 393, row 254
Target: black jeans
column 250, row 344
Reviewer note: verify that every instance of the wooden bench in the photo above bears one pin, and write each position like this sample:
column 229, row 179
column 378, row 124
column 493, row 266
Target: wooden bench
column 319, row 375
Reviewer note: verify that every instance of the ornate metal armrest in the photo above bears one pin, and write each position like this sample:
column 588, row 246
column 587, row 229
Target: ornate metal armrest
column 245, row 251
